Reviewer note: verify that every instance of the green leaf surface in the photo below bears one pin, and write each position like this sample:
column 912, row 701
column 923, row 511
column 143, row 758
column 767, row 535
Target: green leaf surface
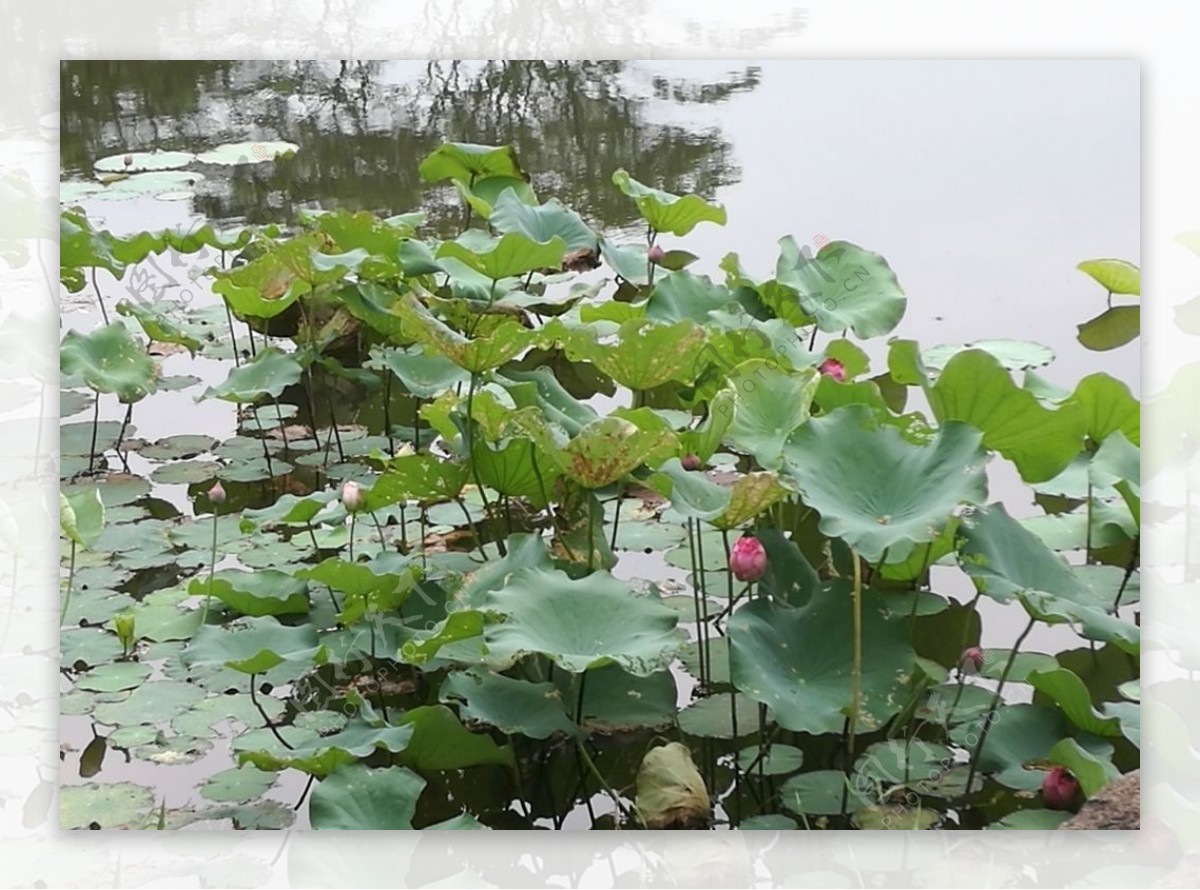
column 665, row 212
column 843, row 286
column 356, row 798
column 109, row 360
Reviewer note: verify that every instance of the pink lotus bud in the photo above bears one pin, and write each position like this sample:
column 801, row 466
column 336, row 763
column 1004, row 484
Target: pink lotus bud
column 691, row 462
column 1059, row 789
column 216, row 494
column 655, row 254
column 748, row 561
column 971, row 660
column 352, row 498
column 128, row 160
column 831, row 367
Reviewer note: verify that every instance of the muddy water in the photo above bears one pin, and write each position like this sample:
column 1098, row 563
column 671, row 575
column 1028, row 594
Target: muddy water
column 983, row 208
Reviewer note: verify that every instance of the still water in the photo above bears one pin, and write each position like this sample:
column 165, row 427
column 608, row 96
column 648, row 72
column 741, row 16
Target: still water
column 983, row 184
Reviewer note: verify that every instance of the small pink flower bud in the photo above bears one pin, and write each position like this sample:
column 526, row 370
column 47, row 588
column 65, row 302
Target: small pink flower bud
column 971, row 661
column 748, row 561
column 691, row 462
column 831, row 367
column 352, row 498
column 655, row 254
column 216, row 494
column 128, row 160
column 1059, row 789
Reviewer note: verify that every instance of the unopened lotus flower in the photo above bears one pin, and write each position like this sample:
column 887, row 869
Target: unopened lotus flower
column 971, row 660
column 1059, row 789
column 216, row 494
column 352, row 498
column 748, row 561
column 831, row 367
column 128, row 160
column 655, row 254
column 691, row 462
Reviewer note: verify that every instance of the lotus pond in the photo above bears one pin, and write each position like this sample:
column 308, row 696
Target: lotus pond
column 523, row 523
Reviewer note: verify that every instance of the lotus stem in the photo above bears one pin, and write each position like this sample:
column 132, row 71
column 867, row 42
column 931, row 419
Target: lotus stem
column 387, row 411
column 961, row 676
column 212, row 568
column 237, row 359
column 616, row 523
column 70, row 586
column 733, row 721
column 696, row 602
column 99, row 296
column 470, row 444
column 379, row 528
column 1129, row 567
column 95, row 430
column 856, row 668
column 267, row 721
column 996, row 699
column 353, row 519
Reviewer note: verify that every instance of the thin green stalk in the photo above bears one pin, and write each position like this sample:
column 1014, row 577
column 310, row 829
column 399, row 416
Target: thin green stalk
column 616, row 522
column 353, row 519
column 387, row 411
column 95, row 429
column 471, row 525
column 1129, row 567
column 696, row 604
column 591, row 533
column 99, row 296
column 996, row 699
column 470, row 440
column 961, row 676
column 212, row 568
column 70, row 585
column 237, row 359
column 379, row 528
column 856, row 669
column 270, row 724
column 733, row 721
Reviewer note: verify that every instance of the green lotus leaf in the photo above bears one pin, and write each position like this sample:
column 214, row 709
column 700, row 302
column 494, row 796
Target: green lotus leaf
column 822, row 793
column 1092, row 771
column 374, row 305
column 468, row 162
column 115, row 677
column 237, row 785
column 665, row 212
column 714, row 717
column 255, row 593
column 356, row 798
column 1031, row 820
column 682, row 295
column 416, row 477
column 381, row 238
column 975, row 389
column 441, row 742
column 505, row 257
column 1109, row 407
column 670, row 791
column 365, row 587
column 781, row 760
column 109, row 360
column 81, row 246
column 609, row 448
column 704, row 440
column 540, row 388
column 726, row 507
column 157, row 325
column 1006, row 561
column 541, row 223
column 1020, row 740
column 615, row 701
column 843, row 286
column 484, row 194
column 768, row 406
column 514, row 469
column 894, row 817
column 81, row 516
column 790, row 577
column 143, row 161
column 1025, row 663
column 105, row 805
column 1013, row 355
column 156, row 702
column 903, row 761
column 287, row 510
column 627, row 260
column 1129, row 714
column 1070, row 693
column 512, row 706
column 253, row 645
column 798, row 661
column 267, row 374
column 459, row 626
column 483, row 353
column 263, row 288
column 1111, row 329
column 321, row 755
column 425, row 376
column 234, row 153
column 580, row 624
column 644, row 354
column 1115, row 276
column 877, row 492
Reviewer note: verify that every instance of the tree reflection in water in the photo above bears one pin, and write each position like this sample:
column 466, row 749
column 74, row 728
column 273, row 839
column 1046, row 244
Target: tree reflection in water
column 363, row 126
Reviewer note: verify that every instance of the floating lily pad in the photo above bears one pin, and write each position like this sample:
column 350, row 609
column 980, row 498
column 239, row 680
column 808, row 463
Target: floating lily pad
column 179, row 447
column 236, row 153
column 149, row 703
column 355, row 798
column 186, row 472
column 512, row 706
column 894, row 818
column 144, row 161
column 253, row 645
column 255, row 593
column 110, row 361
column 713, row 717
column 105, row 805
column 1013, row 355
column 822, row 793
column 781, row 760
column 114, row 677
column 239, row 785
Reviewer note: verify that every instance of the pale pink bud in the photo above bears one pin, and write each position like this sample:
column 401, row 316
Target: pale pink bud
column 655, row 254
column 831, row 367
column 691, row 462
column 216, row 494
column 128, row 160
column 971, row 661
column 748, row 561
column 352, row 498
column 1059, row 789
